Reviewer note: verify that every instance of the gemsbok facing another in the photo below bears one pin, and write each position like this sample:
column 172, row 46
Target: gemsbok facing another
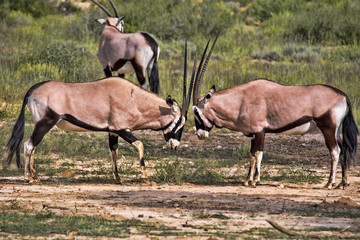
column 112, row 105
column 127, row 53
column 262, row 106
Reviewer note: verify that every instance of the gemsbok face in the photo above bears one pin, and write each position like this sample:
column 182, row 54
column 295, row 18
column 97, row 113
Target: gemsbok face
column 262, row 106
column 113, row 105
column 128, row 53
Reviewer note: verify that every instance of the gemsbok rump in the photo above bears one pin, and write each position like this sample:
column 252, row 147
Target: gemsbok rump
column 262, row 106
column 127, row 53
column 113, row 105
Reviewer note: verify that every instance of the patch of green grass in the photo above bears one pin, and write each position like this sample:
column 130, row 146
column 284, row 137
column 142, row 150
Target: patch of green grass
column 171, row 171
column 265, row 233
column 298, row 175
column 46, row 223
column 331, row 213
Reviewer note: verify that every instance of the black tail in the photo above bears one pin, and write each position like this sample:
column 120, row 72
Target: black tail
column 17, row 134
column 350, row 137
column 154, row 75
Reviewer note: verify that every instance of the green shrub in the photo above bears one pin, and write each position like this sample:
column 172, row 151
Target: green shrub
column 36, row 8
column 172, row 172
column 261, row 10
column 331, row 23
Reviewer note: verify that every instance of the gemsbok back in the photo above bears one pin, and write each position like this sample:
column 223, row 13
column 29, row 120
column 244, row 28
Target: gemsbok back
column 262, row 106
column 113, row 105
column 127, row 53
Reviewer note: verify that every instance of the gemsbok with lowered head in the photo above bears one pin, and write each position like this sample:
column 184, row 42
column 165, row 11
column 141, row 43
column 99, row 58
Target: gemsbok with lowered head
column 113, row 105
column 262, row 106
column 127, row 53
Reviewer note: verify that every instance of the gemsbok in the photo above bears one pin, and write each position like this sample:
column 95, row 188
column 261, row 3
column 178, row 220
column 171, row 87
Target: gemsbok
column 262, row 106
column 113, row 105
column 127, row 53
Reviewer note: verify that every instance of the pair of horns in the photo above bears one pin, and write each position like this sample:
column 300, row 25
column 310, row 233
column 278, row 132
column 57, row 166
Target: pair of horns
column 199, row 75
column 105, row 10
column 202, row 68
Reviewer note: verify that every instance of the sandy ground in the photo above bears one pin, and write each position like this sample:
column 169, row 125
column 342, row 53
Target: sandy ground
column 304, row 207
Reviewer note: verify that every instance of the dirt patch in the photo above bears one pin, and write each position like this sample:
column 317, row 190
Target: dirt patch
column 208, row 208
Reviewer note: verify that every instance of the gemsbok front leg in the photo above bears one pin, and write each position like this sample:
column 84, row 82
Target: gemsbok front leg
column 138, row 145
column 256, row 153
column 113, row 147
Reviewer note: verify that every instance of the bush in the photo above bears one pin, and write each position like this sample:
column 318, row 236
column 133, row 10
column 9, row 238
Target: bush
column 326, row 23
column 36, row 8
column 261, row 10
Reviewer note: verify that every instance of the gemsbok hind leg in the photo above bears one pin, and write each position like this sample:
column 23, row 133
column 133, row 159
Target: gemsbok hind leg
column 344, row 167
column 113, row 146
column 138, row 145
column 42, row 127
column 334, row 149
column 256, row 154
column 140, row 75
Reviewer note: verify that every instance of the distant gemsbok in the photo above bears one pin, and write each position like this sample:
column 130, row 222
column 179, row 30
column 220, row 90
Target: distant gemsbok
column 264, row 106
column 114, row 105
column 127, row 53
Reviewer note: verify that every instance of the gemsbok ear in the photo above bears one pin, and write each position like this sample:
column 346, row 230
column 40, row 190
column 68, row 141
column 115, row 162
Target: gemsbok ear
column 101, row 20
column 169, row 101
column 172, row 103
column 209, row 94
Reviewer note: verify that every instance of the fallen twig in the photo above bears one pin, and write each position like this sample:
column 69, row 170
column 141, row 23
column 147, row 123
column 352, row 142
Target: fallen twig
column 289, row 232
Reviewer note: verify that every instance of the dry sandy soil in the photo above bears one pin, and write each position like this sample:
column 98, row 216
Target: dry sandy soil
column 305, row 208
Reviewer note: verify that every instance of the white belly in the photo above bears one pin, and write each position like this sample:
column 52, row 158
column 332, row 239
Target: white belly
column 126, row 69
column 300, row 130
column 68, row 127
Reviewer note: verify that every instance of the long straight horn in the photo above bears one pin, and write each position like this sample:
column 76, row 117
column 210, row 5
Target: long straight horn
column 102, row 7
column 113, row 6
column 191, row 85
column 184, row 80
column 201, row 70
column 197, row 83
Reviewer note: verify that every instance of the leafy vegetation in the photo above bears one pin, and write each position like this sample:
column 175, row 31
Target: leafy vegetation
column 47, row 223
column 291, row 42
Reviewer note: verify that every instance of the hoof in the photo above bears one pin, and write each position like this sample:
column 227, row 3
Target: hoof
column 246, row 183
column 329, row 185
column 250, row 183
column 32, row 180
column 118, row 179
column 343, row 185
column 253, row 184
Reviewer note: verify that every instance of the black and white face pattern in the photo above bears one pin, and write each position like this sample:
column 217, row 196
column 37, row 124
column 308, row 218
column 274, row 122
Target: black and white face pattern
column 120, row 24
column 173, row 132
column 202, row 124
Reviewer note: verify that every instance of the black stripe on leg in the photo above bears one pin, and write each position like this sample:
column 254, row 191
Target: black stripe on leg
column 127, row 136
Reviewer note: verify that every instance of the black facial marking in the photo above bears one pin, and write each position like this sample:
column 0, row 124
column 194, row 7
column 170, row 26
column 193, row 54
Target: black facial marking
column 199, row 124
